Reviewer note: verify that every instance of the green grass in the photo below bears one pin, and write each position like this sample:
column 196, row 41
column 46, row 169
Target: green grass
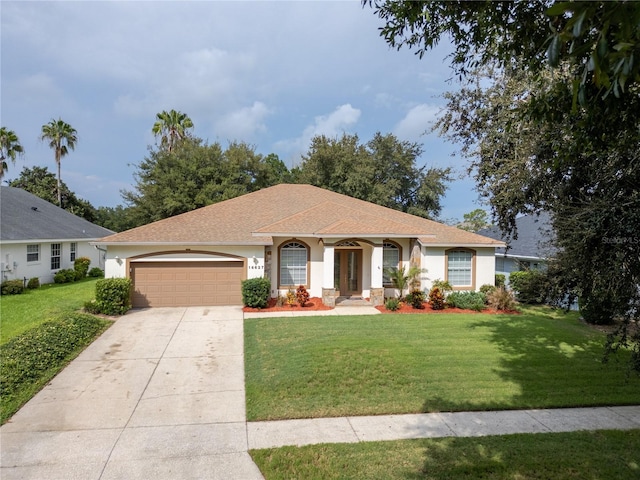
column 558, row 456
column 367, row 365
column 41, row 331
column 19, row 313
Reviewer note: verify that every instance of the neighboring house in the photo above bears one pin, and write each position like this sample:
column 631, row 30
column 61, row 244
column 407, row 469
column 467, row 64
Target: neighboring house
column 334, row 245
column 37, row 238
column 530, row 250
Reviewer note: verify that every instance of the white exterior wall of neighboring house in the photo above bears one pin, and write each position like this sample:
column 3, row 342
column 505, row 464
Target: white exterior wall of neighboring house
column 116, row 264
column 14, row 264
column 506, row 265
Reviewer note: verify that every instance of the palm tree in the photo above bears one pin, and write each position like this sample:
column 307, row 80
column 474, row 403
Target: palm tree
column 62, row 137
column 9, row 148
column 170, row 127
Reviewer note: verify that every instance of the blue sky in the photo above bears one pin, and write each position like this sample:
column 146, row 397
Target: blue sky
column 272, row 74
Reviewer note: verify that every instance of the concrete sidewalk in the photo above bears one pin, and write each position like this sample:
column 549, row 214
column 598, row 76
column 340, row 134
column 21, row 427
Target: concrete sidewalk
column 434, row 425
column 160, row 395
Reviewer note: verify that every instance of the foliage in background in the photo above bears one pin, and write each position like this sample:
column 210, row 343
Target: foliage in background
column 196, row 174
column 10, row 148
column 475, row 220
column 256, row 292
column 96, row 272
column 29, row 360
column 530, row 286
column 172, row 127
column 382, row 171
column 62, row 137
column 65, row 275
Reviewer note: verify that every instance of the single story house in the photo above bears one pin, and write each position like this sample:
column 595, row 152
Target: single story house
column 38, row 238
column 530, row 251
column 334, row 245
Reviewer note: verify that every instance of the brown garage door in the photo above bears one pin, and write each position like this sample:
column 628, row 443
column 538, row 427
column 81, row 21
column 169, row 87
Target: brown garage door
column 181, row 284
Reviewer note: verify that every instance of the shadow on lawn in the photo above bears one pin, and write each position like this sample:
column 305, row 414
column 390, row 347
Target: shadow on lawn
column 555, row 361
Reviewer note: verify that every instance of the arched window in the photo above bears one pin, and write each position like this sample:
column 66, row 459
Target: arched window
column 293, row 259
column 460, row 265
column 391, row 254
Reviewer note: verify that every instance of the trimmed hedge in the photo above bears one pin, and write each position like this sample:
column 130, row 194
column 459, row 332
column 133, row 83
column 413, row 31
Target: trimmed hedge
column 256, row 292
column 28, row 361
column 66, row 275
column 12, row 287
column 113, row 295
column 96, row 272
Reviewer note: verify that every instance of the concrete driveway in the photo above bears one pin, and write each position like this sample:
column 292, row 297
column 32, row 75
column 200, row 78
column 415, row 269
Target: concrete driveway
column 159, row 395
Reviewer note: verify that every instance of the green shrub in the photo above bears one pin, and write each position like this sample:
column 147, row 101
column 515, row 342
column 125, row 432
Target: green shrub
column 416, row 298
column 487, row 289
column 500, row 280
column 255, row 292
column 436, row 298
column 392, row 304
column 92, row 307
column 113, row 295
column 443, row 286
column 35, row 356
column 81, row 266
column 502, row 299
column 531, row 286
column 302, row 296
column 66, row 275
column 467, row 300
column 597, row 308
column 96, row 272
column 33, row 283
column 12, row 287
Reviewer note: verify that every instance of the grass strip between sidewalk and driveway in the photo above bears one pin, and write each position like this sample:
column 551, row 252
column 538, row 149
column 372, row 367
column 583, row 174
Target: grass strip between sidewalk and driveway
column 560, row 456
column 306, row 367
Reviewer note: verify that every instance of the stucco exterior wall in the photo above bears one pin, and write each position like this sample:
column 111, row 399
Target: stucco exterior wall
column 13, row 257
column 117, row 256
column 434, row 260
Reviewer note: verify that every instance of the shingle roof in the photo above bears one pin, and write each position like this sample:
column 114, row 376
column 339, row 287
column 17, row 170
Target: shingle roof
column 535, row 236
column 296, row 211
column 24, row 216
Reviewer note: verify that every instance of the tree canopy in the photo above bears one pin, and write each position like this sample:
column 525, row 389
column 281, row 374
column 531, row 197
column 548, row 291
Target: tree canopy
column 62, row 137
column 10, row 148
column 196, row 174
column 172, row 127
column 382, row 171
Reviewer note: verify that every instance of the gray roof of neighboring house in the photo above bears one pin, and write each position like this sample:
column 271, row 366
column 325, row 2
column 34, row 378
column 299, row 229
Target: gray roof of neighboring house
column 535, row 235
column 24, row 216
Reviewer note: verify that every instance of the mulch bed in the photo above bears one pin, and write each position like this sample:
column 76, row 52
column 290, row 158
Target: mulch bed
column 407, row 308
column 314, row 303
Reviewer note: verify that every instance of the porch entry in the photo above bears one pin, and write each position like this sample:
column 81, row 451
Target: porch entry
column 347, row 268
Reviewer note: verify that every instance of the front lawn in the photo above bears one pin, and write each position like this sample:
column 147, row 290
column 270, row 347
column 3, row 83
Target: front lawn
column 22, row 312
column 41, row 332
column 560, row 456
column 384, row 364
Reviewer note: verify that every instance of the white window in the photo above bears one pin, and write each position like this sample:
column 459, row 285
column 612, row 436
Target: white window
column 459, row 268
column 73, row 251
column 390, row 261
column 293, row 264
column 33, row 253
column 55, row 256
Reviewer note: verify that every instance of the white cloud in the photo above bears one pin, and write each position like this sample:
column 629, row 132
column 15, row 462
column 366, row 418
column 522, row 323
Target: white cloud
column 244, row 123
column 417, row 122
column 331, row 125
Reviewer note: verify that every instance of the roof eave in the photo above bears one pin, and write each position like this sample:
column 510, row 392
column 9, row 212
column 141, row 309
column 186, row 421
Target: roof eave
column 220, row 244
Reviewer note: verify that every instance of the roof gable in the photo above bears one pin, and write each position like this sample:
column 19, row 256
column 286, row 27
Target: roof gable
column 24, row 216
column 292, row 210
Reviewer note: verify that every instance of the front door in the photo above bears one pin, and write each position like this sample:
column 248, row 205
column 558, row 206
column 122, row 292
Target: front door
column 347, row 270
